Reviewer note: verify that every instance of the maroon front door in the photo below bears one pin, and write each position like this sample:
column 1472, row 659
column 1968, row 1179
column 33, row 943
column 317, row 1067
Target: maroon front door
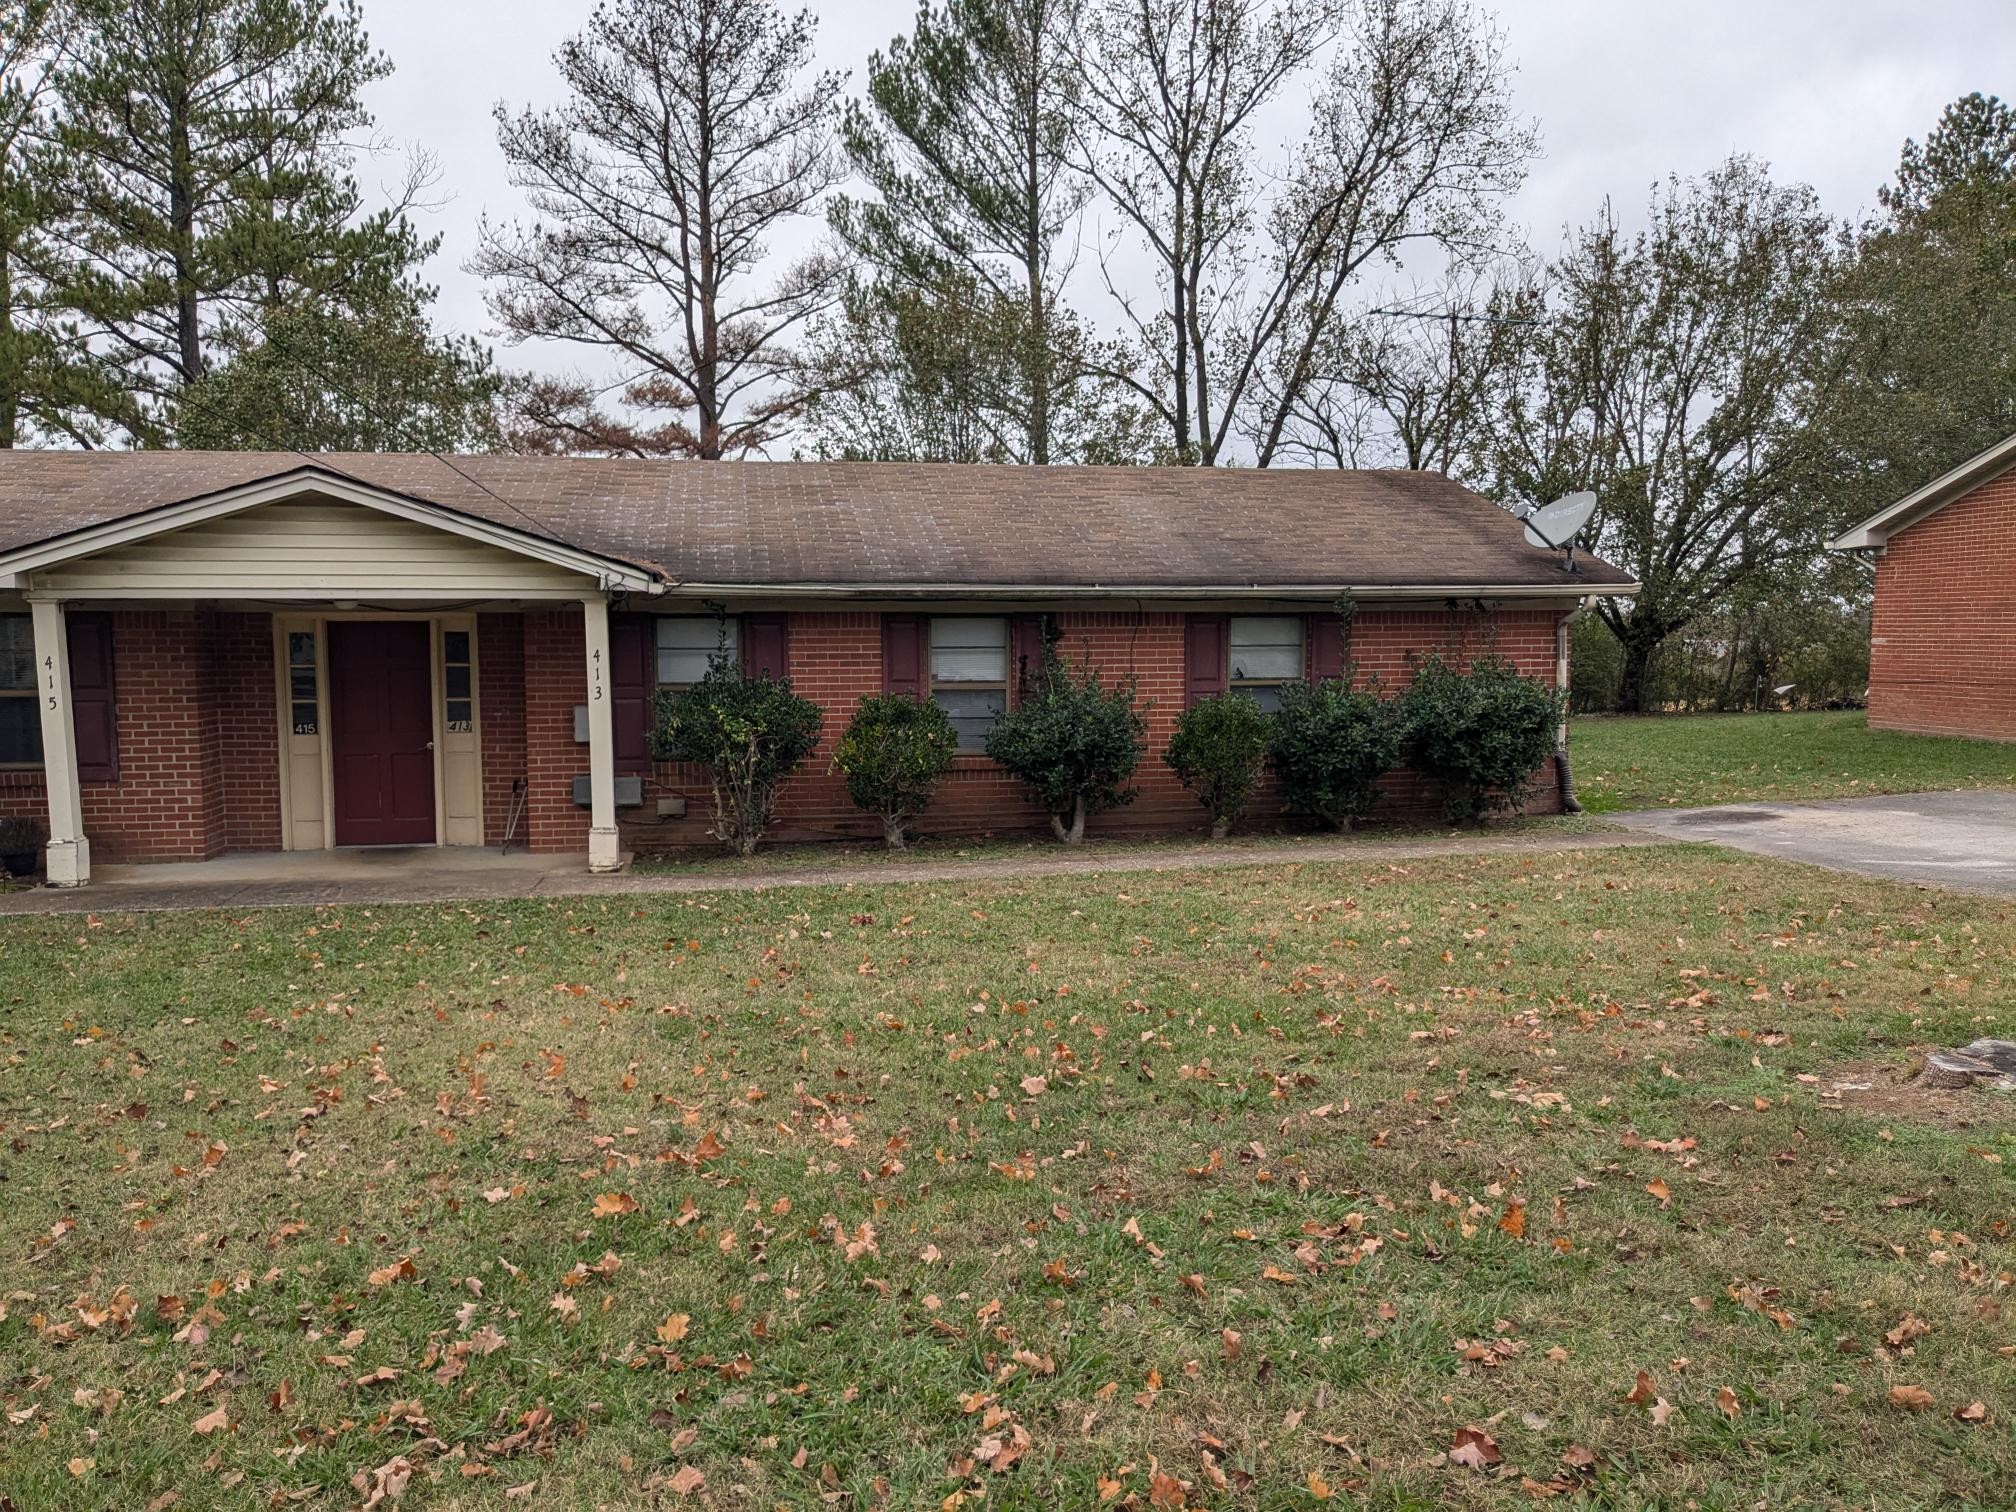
column 381, row 732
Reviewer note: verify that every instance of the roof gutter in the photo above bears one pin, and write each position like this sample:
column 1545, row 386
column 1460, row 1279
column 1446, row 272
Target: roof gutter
column 1428, row 592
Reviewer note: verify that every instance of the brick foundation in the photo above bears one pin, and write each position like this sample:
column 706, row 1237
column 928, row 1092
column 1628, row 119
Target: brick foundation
column 1942, row 655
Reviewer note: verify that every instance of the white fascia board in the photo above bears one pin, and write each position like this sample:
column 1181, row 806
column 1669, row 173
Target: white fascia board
column 1936, row 495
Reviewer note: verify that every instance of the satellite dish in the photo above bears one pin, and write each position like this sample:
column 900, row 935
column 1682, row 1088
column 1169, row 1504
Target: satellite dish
column 1553, row 527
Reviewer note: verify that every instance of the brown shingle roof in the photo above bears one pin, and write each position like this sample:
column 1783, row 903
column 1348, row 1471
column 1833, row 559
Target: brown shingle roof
column 773, row 524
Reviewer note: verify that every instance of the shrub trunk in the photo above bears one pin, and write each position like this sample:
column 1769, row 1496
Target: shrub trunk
column 1073, row 832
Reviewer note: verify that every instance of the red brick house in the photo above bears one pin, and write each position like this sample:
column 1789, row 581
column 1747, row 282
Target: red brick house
column 1942, row 650
column 213, row 652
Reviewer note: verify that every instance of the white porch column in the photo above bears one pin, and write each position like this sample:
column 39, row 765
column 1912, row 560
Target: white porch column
column 604, row 848
column 69, row 856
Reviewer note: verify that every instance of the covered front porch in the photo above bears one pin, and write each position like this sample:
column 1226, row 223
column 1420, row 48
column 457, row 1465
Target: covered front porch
column 313, row 667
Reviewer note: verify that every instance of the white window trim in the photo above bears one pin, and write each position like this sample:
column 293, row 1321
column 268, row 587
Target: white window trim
column 1235, row 684
column 26, row 695
column 714, row 622
column 932, row 683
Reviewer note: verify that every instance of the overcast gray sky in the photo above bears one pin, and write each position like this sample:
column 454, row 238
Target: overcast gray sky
column 1625, row 91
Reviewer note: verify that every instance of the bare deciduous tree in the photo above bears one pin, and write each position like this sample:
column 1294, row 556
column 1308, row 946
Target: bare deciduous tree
column 1412, row 387
column 686, row 144
column 1168, row 95
column 1413, row 139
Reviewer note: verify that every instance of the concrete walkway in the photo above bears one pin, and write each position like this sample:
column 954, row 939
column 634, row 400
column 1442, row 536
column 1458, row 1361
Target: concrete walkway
column 428, row 874
column 1962, row 840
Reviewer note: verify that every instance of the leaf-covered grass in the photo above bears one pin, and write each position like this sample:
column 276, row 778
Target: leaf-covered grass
column 1249, row 1188
column 1688, row 760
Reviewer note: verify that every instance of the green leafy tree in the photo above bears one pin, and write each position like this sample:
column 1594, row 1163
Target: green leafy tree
column 963, row 139
column 1219, row 752
column 1929, row 310
column 748, row 734
column 325, row 378
column 1074, row 741
column 1482, row 734
column 904, row 372
column 1331, row 743
column 206, row 147
column 893, row 755
column 1676, row 372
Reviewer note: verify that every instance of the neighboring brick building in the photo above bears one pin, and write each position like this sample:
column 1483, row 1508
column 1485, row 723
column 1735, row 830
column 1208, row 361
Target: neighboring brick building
column 1942, row 650
column 233, row 652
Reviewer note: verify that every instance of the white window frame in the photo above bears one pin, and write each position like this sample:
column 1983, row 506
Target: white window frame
column 1236, row 683
column 27, row 694
column 717, row 625
column 934, row 684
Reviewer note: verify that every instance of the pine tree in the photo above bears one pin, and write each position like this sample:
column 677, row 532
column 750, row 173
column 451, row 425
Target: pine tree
column 52, row 388
column 206, row 151
column 963, row 138
column 685, row 143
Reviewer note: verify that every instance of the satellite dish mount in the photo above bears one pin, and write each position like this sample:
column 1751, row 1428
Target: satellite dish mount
column 1554, row 527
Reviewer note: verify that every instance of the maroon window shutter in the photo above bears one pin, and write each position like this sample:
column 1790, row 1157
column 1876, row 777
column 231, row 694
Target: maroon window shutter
column 903, row 654
column 91, row 697
column 1203, row 657
column 633, row 656
column 766, row 647
column 1326, row 647
column 1025, row 650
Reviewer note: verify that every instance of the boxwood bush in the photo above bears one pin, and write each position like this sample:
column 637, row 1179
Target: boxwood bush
column 748, row 734
column 895, row 750
column 1074, row 742
column 1219, row 752
column 1331, row 745
column 1483, row 733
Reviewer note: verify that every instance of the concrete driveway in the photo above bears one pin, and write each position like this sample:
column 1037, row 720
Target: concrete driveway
column 1964, row 840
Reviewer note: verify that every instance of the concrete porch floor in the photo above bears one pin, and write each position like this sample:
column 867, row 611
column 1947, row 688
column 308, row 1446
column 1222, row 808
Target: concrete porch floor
column 351, row 874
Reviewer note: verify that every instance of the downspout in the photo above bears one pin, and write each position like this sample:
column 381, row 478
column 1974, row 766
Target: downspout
column 1564, row 774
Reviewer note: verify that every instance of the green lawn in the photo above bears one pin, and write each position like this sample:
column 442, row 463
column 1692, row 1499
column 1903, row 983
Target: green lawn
column 1261, row 1188
column 1687, row 760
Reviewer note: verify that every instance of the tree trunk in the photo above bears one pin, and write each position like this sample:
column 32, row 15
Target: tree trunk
column 182, row 226
column 1634, row 693
column 1221, row 827
column 892, row 832
column 10, row 355
column 1074, row 832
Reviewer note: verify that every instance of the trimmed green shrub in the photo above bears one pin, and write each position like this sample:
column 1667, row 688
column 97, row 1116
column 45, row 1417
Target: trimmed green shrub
column 1219, row 751
column 1331, row 745
column 1074, row 742
column 1483, row 734
column 895, row 750
column 748, row 734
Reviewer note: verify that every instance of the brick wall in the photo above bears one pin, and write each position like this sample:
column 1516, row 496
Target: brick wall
column 836, row 659
column 199, row 771
column 198, row 742
column 1942, row 655
column 556, row 681
column 500, row 675
column 246, row 762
